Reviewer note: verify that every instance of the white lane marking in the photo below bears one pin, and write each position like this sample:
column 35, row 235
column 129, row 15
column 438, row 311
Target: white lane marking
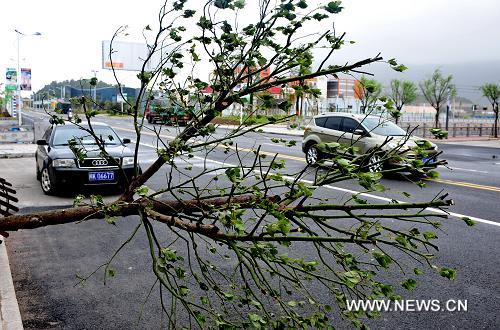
column 468, row 170
column 385, row 199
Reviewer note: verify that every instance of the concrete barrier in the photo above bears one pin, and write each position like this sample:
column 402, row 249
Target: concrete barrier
column 17, row 137
column 11, row 133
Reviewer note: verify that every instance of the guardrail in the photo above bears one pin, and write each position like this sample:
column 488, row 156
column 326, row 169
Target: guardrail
column 454, row 130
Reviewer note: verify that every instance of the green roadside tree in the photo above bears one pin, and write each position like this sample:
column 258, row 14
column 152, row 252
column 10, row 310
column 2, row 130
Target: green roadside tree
column 492, row 93
column 401, row 93
column 368, row 91
column 252, row 213
column 436, row 91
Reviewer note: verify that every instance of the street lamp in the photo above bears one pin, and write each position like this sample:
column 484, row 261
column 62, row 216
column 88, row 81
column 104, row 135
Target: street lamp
column 18, row 87
column 448, row 106
column 95, row 87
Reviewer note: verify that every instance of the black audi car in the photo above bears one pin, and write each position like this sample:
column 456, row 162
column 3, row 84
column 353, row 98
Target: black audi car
column 58, row 168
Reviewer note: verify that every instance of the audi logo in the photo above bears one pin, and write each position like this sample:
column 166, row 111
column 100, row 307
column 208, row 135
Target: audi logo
column 99, row 162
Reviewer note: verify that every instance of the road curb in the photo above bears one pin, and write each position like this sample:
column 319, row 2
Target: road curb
column 17, row 155
column 10, row 316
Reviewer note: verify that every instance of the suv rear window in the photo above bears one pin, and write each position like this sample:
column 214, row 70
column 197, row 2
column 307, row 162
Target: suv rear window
column 333, row 123
column 350, row 125
column 320, row 121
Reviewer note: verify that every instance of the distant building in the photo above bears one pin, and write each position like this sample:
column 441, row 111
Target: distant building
column 341, row 95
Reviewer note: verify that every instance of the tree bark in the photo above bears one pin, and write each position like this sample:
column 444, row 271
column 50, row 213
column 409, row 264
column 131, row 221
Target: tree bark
column 436, row 118
column 83, row 213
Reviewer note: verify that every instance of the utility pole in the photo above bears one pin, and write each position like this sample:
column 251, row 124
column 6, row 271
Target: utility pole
column 95, row 89
column 448, row 108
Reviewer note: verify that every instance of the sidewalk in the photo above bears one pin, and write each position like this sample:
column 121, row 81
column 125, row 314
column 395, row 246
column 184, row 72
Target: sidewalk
column 10, row 317
column 486, row 143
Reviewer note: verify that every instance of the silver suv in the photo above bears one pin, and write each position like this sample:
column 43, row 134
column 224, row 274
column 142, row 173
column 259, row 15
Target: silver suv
column 366, row 133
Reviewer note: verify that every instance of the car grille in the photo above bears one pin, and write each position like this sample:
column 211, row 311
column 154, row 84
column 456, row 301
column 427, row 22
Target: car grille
column 97, row 162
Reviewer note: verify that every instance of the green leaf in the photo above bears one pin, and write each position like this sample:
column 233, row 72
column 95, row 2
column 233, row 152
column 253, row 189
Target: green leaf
column 449, row 273
column 334, row 7
column 430, row 235
column 432, row 174
column 351, row 278
column 239, row 4
column 319, row 17
column 302, row 4
column 292, row 303
column 387, row 289
column 468, row 221
column 222, row 4
column 383, row 259
column 189, row 13
column 418, row 271
column 392, row 62
column 233, row 174
column 439, row 133
column 110, row 220
column 110, row 272
column 142, row 191
column 400, row 68
column 228, row 296
column 256, row 320
column 183, row 290
column 410, row 284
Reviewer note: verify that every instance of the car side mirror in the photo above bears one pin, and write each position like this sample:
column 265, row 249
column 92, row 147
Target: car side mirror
column 359, row 132
column 41, row 142
column 126, row 140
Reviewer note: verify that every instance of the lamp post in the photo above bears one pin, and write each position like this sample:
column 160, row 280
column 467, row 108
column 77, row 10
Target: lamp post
column 448, row 106
column 18, row 83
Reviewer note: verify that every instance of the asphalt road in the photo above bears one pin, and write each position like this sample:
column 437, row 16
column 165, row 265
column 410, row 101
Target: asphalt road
column 45, row 261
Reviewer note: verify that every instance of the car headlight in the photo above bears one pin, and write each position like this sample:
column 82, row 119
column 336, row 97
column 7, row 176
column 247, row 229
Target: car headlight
column 63, row 163
column 400, row 146
column 127, row 161
column 392, row 145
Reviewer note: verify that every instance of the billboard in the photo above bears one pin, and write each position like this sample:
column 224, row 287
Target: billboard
column 127, row 56
column 11, row 79
column 25, row 79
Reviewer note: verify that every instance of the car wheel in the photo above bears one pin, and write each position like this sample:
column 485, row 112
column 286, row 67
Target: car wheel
column 46, row 182
column 312, row 155
column 375, row 163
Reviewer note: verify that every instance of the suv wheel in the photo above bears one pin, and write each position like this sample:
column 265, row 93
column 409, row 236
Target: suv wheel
column 312, row 155
column 46, row 182
column 375, row 163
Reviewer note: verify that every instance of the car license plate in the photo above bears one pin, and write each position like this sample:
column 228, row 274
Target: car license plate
column 101, row 176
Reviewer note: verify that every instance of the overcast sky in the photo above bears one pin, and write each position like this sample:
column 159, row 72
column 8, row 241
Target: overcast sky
column 415, row 32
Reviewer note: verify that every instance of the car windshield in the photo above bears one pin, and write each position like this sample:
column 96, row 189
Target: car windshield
column 382, row 126
column 65, row 133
